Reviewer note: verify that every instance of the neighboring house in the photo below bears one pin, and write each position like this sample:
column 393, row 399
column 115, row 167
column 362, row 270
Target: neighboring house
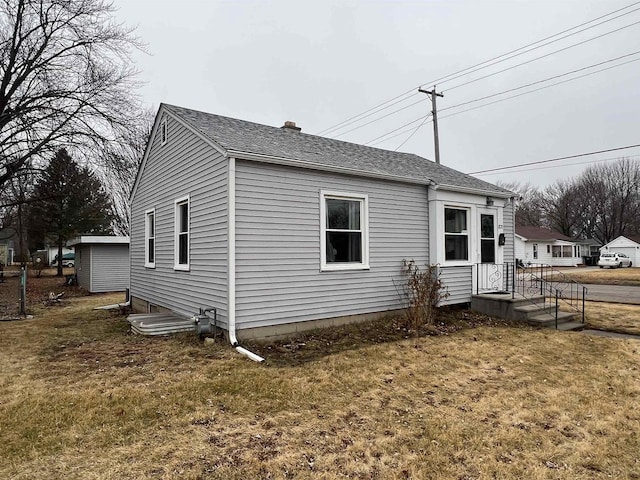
column 627, row 244
column 537, row 245
column 102, row 262
column 589, row 249
column 7, row 246
column 284, row 231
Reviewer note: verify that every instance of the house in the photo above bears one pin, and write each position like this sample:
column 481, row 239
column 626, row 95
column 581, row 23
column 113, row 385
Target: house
column 589, row 250
column 538, row 245
column 282, row 231
column 101, row 262
column 627, row 244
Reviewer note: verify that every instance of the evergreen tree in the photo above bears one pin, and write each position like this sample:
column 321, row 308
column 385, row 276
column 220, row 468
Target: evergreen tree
column 68, row 200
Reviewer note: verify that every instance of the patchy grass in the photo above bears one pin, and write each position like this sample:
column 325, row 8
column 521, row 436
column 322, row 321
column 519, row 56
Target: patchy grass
column 607, row 276
column 81, row 398
column 615, row 317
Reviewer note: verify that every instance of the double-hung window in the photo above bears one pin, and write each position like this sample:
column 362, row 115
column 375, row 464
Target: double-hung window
column 456, row 234
column 344, row 232
column 181, row 240
column 150, row 238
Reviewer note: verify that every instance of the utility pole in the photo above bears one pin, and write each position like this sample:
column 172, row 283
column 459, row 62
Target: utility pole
column 433, row 96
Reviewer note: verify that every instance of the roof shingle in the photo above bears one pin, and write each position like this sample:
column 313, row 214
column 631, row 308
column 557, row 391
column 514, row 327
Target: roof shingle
column 253, row 138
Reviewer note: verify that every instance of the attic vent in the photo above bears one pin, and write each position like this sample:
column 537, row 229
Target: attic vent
column 291, row 126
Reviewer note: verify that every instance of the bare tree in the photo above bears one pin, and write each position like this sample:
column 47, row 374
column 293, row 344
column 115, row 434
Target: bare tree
column 65, row 79
column 118, row 168
column 562, row 205
column 529, row 209
column 612, row 199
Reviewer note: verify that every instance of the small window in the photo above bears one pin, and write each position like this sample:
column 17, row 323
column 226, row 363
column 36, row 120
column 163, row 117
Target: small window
column 164, row 132
column 548, row 248
column 535, row 251
column 150, row 239
column 456, row 234
column 344, row 240
column 181, row 253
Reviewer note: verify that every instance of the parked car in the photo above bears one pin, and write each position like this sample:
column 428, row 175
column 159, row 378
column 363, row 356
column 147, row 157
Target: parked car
column 68, row 260
column 614, row 260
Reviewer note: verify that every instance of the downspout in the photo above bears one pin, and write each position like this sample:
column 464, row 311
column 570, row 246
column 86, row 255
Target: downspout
column 231, row 262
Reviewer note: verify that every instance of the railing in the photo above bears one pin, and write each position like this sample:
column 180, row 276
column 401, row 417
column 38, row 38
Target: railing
column 538, row 283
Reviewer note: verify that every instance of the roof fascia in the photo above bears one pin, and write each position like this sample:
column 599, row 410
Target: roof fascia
column 477, row 191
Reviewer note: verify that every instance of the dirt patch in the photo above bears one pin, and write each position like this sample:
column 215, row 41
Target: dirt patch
column 38, row 290
column 318, row 343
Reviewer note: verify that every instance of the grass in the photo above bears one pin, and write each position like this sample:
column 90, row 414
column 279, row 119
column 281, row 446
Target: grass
column 614, row 317
column 81, row 398
column 607, row 276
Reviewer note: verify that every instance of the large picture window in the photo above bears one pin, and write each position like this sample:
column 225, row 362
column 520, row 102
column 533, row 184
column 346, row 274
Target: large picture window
column 344, row 231
column 181, row 253
column 150, row 238
column 560, row 251
column 456, row 234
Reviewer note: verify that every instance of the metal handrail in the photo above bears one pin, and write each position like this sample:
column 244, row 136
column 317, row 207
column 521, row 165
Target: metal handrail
column 532, row 280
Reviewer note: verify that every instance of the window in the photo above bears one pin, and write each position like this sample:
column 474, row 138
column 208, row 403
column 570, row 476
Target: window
column 344, row 239
column 181, row 240
column 150, row 238
column 535, row 251
column 562, row 251
column 164, row 132
column 548, row 248
column 456, row 235
column 487, row 239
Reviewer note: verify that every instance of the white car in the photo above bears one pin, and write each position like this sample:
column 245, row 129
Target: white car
column 614, row 260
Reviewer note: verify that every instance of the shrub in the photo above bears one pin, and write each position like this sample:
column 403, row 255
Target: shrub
column 422, row 291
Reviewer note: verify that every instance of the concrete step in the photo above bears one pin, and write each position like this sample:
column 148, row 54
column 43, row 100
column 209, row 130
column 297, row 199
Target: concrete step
column 571, row 326
column 524, row 312
column 549, row 320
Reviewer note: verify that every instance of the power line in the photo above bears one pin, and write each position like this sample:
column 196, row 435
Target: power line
column 413, row 133
column 400, row 98
column 563, row 165
column 396, row 129
column 554, row 159
column 496, row 101
column 543, row 80
column 379, row 118
column 544, row 56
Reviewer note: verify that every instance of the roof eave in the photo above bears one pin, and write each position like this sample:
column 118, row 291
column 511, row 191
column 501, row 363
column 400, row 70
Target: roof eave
column 290, row 162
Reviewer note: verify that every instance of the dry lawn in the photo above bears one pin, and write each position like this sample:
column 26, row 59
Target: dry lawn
column 80, row 398
column 607, row 276
column 615, row 317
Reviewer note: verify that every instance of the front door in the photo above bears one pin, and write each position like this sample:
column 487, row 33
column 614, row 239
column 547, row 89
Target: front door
column 489, row 275
column 487, row 238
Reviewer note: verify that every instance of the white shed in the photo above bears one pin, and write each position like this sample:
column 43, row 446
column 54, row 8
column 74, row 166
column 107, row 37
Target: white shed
column 630, row 246
column 102, row 262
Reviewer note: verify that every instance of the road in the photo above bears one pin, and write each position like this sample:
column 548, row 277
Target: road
column 613, row 293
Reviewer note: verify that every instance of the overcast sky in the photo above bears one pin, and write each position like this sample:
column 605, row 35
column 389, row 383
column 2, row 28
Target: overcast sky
column 321, row 63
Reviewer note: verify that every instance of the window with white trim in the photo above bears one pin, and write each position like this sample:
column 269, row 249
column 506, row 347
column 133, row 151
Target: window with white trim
column 344, row 241
column 150, row 238
column 181, row 240
column 456, row 234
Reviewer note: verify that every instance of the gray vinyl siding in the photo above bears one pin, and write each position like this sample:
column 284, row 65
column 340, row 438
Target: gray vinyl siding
column 508, row 221
column 278, row 277
column 109, row 268
column 458, row 281
column 185, row 165
column 82, row 264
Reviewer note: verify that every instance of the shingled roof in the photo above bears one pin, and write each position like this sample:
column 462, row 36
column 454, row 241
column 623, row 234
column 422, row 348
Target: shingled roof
column 539, row 233
column 238, row 137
